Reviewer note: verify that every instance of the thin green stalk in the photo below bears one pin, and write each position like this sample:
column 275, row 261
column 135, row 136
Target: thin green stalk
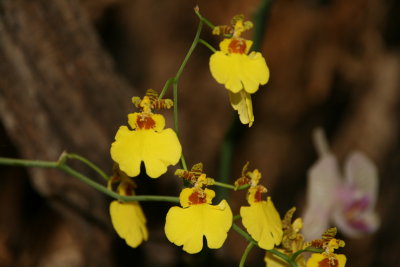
column 189, row 53
column 183, row 163
column 88, row 163
column 175, row 81
column 61, row 165
column 245, row 253
column 88, row 181
column 176, row 112
column 229, row 186
column 28, row 163
column 166, row 86
column 206, row 44
column 149, row 198
column 203, row 19
column 236, row 217
column 308, row 249
column 243, row 233
column 224, row 185
column 273, row 251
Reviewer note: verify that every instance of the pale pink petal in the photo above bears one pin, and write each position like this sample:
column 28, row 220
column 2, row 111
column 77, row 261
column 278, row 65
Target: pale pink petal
column 355, row 226
column 361, row 174
column 323, row 179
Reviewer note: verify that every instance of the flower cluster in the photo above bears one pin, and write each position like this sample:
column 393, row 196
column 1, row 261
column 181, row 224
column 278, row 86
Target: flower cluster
column 146, row 140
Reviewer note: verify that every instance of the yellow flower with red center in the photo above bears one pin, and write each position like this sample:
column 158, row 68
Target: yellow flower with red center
column 327, row 258
column 197, row 217
column 148, row 141
column 240, row 71
column 127, row 217
column 261, row 219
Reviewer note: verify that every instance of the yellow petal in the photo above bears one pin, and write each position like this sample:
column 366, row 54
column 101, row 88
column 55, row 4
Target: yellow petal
column 157, row 150
column 224, row 44
column 217, row 223
column 243, row 104
column 320, row 260
column 187, row 226
column 224, row 72
column 129, row 222
column 126, row 150
column 263, row 223
column 239, row 71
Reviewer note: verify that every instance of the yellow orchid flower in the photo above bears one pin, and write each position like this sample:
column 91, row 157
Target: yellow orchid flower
column 261, row 219
column 327, row 258
column 127, row 218
column 148, row 141
column 240, row 71
column 197, row 218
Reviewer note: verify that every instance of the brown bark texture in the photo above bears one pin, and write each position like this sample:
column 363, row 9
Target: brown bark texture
column 69, row 68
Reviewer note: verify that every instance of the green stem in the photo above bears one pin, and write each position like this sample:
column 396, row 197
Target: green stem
column 88, row 163
column 189, row 53
column 166, row 86
column 207, row 45
column 245, row 253
column 183, row 163
column 224, row 185
column 203, row 19
column 229, row 186
column 243, row 233
column 88, row 181
column 308, row 249
column 61, row 165
column 252, row 241
column 176, row 112
column 28, row 163
column 280, row 255
column 149, row 198
column 236, row 217
column 175, row 81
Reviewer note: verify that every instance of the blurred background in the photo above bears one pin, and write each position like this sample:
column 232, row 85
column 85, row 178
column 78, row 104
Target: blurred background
column 68, row 70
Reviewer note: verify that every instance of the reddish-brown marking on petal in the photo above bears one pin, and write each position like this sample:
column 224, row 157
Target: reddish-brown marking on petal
column 237, row 46
column 145, row 122
column 257, row 196
column 328, row 262
column 318, row 243
column 197, row 198
column 258, row 193
column 128, row 190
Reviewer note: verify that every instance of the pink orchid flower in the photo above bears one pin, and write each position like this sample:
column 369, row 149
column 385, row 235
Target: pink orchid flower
column 344, row 200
